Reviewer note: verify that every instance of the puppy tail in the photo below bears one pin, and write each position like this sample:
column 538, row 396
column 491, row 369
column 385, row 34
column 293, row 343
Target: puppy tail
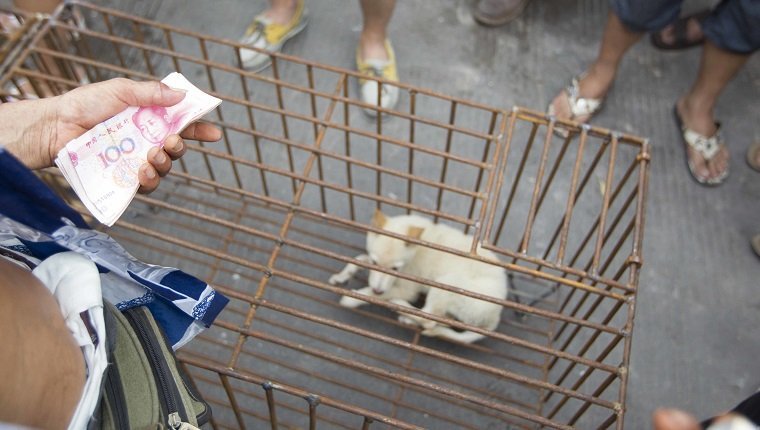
column 457, row 336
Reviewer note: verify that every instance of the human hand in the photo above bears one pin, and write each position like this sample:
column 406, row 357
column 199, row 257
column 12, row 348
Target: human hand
column 34, row 131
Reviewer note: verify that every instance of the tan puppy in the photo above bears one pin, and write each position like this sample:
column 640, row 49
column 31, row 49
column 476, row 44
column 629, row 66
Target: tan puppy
column 398, row 255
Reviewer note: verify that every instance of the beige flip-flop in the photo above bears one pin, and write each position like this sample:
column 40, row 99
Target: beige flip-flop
column 753, row 154
column 706, row 147
column 581, row 108
column 755, row 242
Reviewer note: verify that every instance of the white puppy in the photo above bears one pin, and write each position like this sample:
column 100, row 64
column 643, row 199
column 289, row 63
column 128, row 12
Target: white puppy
column 419, row 261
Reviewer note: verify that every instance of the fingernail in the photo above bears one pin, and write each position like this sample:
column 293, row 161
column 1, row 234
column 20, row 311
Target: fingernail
column 150, row 173
column 178, row 144
column 160, row 157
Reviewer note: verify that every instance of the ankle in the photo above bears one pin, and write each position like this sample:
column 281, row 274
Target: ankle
column 604, row 70
column 697, row 116
column 597, row 80
column 282, row 12
column 694, row 104
column 372, row 46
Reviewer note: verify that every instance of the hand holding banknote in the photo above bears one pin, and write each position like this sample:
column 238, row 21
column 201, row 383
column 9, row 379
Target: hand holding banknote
column 36, row 130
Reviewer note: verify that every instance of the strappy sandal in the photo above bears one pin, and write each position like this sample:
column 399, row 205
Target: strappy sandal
column 753, row 155
column 581, row 108
column 707, row 147
column 681, row 33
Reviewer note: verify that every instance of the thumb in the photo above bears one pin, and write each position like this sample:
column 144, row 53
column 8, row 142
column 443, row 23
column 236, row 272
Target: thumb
column 150, row 93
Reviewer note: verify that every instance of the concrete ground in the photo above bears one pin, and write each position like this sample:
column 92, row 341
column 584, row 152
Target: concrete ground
column 698, row 303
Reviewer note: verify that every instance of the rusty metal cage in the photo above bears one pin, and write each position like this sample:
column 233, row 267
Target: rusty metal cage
column 285, row 200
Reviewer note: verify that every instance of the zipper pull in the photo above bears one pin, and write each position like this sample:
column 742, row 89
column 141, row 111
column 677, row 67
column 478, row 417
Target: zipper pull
column 176, row 423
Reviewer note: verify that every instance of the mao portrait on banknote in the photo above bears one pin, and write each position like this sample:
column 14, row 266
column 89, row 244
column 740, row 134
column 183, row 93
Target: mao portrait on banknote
column 157, row 122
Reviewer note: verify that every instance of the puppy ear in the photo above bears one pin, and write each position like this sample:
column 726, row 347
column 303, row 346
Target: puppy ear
column 379, row 219
column 415, row 232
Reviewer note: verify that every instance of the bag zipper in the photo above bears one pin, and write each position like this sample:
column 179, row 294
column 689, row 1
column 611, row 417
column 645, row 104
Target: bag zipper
column 168, row 392
column 115, row 395
column 204, row 417
column 177, row 424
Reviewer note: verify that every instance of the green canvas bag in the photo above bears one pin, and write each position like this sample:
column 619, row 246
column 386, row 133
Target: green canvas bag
column 143, row 386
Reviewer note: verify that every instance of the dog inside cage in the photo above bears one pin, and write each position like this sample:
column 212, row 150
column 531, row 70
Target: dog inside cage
column 400, row 256
column 444, row 264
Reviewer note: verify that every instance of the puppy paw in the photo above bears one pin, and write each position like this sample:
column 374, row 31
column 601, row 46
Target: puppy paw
column 338, row 278
column 428, row 325
column 400, row 302
column 431, row 332
column 405, row 319
column 350, row 302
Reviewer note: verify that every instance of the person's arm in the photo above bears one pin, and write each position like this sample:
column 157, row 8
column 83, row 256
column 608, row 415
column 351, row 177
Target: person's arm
column 35, row 130
column 41, row 367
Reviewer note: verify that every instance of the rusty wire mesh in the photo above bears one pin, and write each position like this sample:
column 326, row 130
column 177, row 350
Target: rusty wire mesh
column 286, row 199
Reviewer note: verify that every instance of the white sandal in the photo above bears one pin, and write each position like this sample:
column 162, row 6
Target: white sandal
column 581, row 108
column 706, row 147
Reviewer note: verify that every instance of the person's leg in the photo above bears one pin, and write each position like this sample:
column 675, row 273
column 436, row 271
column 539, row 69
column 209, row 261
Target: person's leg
column 41, row 367
column 280, row 11
column 627, row 22
column 377, row 14
column 733, row 26
column 270, row 29
column 732, row 34
column 696, row 107
column 375, row 57
column 598, row 78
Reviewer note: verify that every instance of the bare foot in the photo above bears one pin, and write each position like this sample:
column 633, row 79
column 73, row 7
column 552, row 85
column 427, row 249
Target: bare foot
column 594, row 84
column 701, row 121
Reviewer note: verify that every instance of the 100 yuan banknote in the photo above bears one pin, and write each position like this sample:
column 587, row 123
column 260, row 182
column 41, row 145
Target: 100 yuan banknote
column 102, row 165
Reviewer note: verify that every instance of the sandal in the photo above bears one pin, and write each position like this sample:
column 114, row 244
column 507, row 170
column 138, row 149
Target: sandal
column 680, row 31
column 581, row 108
column 753, row 155
column 705, row 146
